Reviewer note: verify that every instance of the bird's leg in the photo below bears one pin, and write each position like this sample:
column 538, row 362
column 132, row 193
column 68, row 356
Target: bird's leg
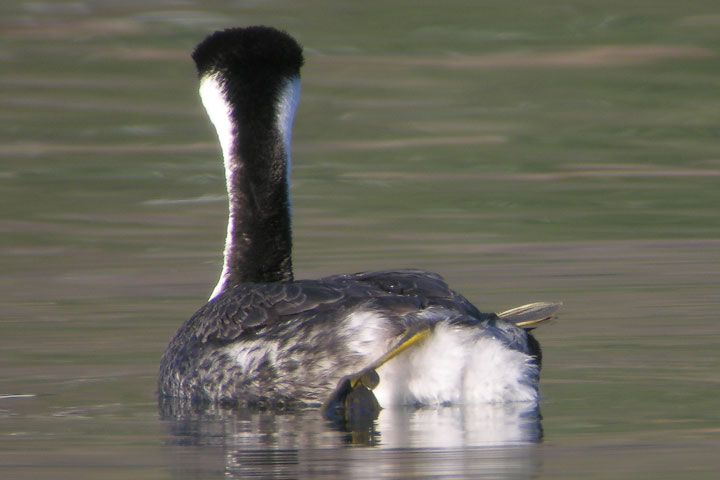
column 352, row 402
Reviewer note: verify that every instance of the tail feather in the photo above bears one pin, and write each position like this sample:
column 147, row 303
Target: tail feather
column 531, row 315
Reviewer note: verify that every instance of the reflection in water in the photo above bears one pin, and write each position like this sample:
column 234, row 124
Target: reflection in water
column 460, row 426
column 482, row 440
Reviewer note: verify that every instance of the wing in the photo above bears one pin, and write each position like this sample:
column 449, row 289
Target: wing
column 250, row 308
column 400, row 282
column 427, row 288
column 254, row 308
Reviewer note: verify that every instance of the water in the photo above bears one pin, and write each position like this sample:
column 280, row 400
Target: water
column 562, row 151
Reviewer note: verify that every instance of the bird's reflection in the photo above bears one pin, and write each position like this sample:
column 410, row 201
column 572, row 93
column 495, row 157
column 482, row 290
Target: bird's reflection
column 406, row 440
column 396, row 427
column 460, row 426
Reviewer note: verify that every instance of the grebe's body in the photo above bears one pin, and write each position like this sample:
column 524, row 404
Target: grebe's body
column 348, row 341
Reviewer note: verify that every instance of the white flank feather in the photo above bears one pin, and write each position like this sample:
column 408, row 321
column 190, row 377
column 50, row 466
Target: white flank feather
column 457, row 365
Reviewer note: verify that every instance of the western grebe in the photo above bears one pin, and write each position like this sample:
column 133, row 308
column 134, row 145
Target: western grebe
column 352, row 343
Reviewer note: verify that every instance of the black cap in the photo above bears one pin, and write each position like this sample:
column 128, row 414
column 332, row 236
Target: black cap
column 258, row 50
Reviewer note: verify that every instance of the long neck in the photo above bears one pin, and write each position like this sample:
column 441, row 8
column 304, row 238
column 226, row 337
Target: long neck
column 254, row 133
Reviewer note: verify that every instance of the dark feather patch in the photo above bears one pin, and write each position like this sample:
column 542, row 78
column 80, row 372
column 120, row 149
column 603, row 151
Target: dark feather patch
column 250, row 49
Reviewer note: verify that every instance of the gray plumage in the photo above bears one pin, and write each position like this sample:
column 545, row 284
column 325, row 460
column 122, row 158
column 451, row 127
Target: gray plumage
column 297, row 330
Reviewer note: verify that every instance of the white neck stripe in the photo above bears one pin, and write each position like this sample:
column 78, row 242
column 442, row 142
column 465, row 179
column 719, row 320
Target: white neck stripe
column 212, row 93
column 287, row 106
